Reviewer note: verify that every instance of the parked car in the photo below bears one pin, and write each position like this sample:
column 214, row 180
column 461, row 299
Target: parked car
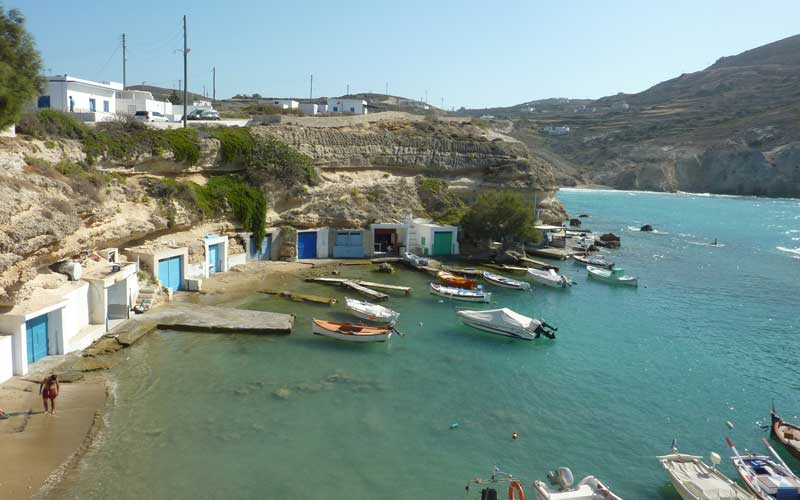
column 203, row 114
column 150, row 116
column 194, row 115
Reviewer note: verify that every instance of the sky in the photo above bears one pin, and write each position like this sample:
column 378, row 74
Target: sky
column 472, row 53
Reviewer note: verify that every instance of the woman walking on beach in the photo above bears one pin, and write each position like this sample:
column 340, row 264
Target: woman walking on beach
column 49, row 389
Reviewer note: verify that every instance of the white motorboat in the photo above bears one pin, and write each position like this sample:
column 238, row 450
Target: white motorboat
column 589, row 488
column 695, row 480
column 549, row 278
column 767, row 476
column 615, row 276
column 350, row 332
column 414, row 260
column 371, row 312
column 460, row 293
column 591, row 260
column 507, row 323
column 496, row 279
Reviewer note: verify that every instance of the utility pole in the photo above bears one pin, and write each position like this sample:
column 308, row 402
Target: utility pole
column 213, row 85
column 311, row 88
column 348, row 89
column 387, row 89
column 124, row 60
column 205, row 94
column 185, row 73
column 426, row 97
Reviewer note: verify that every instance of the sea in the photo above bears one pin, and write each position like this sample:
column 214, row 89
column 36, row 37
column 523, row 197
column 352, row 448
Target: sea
column 699, row 351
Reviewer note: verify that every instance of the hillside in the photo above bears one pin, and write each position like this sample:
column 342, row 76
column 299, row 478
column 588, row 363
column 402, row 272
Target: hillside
column 162, row 94
column 731, row 128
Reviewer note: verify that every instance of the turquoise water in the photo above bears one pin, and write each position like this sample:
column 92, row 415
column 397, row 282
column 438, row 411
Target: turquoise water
column 711, row 335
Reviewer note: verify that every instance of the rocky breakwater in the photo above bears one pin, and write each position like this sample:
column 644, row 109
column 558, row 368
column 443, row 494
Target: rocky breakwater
column 377, row 171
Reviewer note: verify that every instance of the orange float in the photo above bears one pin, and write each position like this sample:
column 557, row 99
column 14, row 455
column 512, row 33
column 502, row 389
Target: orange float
column 515, row 491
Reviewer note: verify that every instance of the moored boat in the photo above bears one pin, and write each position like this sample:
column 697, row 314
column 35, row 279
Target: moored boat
column 450, row 279
column 414, row 260
column 370, row 312
column 695, row 480
column 549, row 278
column 498, row 280
column 768, row 477
column 507, row 323
column 788, row 434
column 562, row 487
column 592, row 260
column 466, row 272
column 350, row 332
column 615, row 276
column 460, row 293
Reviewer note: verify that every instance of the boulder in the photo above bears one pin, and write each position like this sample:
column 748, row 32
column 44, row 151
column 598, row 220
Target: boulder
column 647, row 228
column 609, row 240
column 583, row 216
column 386, row 268
column 574, row 223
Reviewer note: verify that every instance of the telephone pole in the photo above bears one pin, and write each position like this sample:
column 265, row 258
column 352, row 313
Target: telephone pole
column 348, row 89
column 311, row 88
column 185, row 73
column 213, row 85
column 124, row 60
column 387, row 89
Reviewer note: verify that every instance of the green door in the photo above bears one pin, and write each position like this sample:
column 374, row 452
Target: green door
column 442, row 243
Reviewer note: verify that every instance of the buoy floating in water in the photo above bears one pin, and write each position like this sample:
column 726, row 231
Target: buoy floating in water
column 729, row 424
column 514, row 435
column 454, row 425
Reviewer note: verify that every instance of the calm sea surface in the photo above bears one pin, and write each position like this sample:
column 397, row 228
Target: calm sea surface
column 711, row 335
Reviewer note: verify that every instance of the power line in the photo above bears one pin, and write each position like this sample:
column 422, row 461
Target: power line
column 109, row 60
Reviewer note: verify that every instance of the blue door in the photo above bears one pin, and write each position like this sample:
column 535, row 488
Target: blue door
column 348, row 244
column 213, row 259
column 36, row 330
column 265, row 252
column 307, row 245
column 170, row 272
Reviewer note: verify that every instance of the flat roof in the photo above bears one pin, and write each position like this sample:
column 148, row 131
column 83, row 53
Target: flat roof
column 67, row 78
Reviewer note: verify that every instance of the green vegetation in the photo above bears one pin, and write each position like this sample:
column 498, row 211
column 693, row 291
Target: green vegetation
column 84, row 179
column 222, row 194
column 444, row 206
column 504, row 216
column 118, row 140
column 20, row 67
column 236, row 145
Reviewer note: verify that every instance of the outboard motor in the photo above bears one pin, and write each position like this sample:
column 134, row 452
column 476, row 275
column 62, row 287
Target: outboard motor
column 561, row 477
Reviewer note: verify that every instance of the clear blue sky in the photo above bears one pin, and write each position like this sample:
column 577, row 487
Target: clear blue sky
column 473, row 53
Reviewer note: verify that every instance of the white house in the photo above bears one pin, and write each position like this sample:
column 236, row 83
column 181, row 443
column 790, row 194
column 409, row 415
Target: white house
column 550, row 130
column 310, row 108
column 427, row 238
column 341, row 105
column 128, row 102
column 86, row 100
column 216, row 253
column 285, row 103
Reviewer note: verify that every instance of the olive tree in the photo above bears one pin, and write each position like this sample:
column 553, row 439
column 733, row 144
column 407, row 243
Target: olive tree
column 20, row 67
column 503, row 216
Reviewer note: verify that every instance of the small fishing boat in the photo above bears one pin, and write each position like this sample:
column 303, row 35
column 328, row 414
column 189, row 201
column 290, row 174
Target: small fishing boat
column 414, row 260
column 549, row 278
column 460, row 293
column 615, row 276
column 788, row 434
column 450, row 279
column 350, row 332
column 507, row 323
column 767, row 476
column 499, row 479
column 562, row 487
column 370, row 312
column 591, row 260
column 496, row 279
column 508, row 269
column 695, row 480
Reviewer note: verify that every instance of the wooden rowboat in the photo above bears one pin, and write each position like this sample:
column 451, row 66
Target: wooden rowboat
column 788, row 434
column 350, row 332
column 450, row 279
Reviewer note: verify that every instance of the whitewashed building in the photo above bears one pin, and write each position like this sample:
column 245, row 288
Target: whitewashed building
column 285, row 103
column 128, row 102
column 312, row 243
column 310, row 108
column 428, row 238
column 342, row 105
column 551, row 130
column 86, row 100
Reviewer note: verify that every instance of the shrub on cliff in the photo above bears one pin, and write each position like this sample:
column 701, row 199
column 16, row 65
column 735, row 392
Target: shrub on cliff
column 20, row 67
column 504, row 216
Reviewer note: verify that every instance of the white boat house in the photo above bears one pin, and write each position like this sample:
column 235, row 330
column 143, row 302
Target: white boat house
column 312, row 243
column 418, row 236
column 168, row 264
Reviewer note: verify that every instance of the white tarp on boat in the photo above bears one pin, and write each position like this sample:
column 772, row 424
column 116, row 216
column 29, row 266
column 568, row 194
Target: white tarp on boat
column 504, row 316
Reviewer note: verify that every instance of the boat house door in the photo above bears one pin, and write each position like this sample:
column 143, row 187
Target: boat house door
column 442, row 243
column 213, row 259
column 170, row 272
column 36, row 332
column 307, row 245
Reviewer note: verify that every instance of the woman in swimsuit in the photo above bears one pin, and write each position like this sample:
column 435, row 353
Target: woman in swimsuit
column 49, row 389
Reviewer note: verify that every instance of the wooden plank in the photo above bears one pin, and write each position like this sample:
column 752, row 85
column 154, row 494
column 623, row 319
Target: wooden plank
column 381, row 286
column 508, row 269
column 470, row 273
column 328, row 281
column 302, row 297
column 372, row 294
column 549, row 253
column 381, row 260
column 538, row 264
column 428, row 269
column 360, row 262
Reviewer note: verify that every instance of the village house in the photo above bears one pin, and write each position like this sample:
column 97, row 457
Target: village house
column 552, row 130
column 310, row 108
column 86, row 100
column 166, row 262
column 285, row 103
column 128, row 102
column 418, row 236
column 342, row 105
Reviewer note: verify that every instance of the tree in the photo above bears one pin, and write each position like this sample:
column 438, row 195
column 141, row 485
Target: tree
column 174, row 98
column 20, row 67
column 504, row 216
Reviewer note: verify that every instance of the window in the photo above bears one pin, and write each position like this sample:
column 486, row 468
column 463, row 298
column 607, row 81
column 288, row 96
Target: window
column 43, row 102
column 92, row 105
column 423, row 241
column 105, row 106
column 352, row 110
column 335, row 109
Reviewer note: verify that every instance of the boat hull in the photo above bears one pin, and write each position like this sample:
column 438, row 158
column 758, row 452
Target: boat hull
column 476, row 297
column 781, row 429
column 317, row 329
column 696, row 465
column 520, row 334
column 547, row 279
column 599, row 275
column 389, row 318
column 507, row 283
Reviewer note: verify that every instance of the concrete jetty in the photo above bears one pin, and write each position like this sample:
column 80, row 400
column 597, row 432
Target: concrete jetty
column 198, row 318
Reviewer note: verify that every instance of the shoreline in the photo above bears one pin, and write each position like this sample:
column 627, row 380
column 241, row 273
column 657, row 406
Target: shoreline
column 596, row 188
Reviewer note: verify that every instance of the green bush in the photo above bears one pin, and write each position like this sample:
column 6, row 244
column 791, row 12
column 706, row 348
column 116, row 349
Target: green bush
column 504, row 216
column 236, row 145
column 51, row 123
column 20, row 67
column 283, row 163
column 184, row 144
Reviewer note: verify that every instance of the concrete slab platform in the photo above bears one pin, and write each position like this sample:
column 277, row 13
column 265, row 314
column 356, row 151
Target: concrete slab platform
column 197, row 318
